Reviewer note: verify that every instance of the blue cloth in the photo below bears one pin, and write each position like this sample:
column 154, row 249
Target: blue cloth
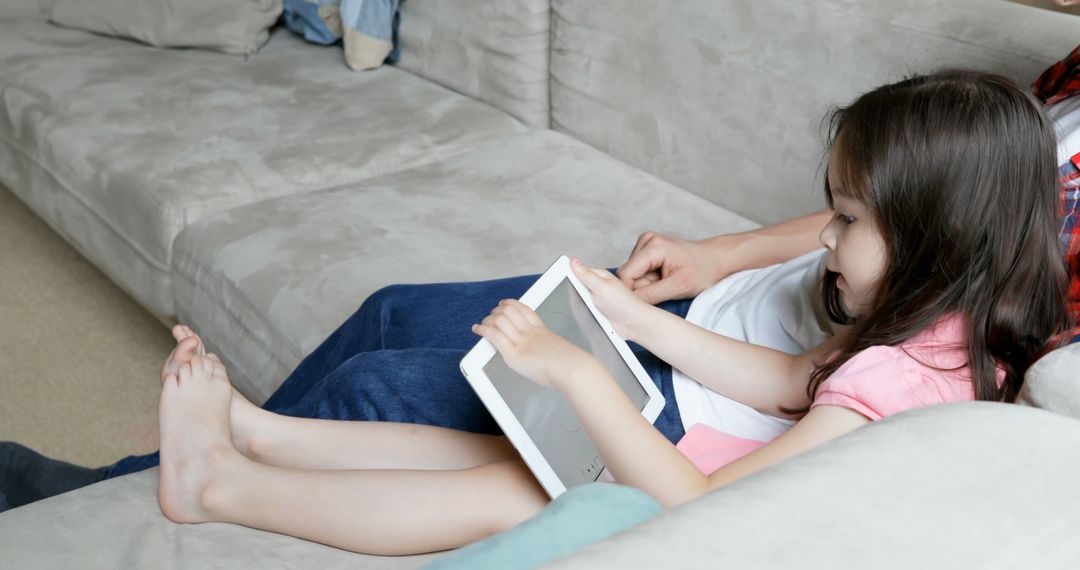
column 579, row 517
column 329, row 21
column 397, row 359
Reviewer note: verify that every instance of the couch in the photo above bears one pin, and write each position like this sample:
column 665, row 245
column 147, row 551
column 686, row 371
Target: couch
column 260, row 200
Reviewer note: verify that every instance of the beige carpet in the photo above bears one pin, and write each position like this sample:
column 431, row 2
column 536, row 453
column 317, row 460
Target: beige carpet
column 78, row 357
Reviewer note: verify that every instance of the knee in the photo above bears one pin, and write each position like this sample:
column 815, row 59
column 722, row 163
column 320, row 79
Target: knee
column 380, row 307
column 521, row 498
column 380, row 302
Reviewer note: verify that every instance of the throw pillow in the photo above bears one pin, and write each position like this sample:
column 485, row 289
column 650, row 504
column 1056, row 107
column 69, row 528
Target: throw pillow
column 238, row 27
column 579, row 517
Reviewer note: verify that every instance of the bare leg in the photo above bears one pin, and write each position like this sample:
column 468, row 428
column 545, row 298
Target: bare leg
column 203, row 478
column 331, row 444
column 303, row 443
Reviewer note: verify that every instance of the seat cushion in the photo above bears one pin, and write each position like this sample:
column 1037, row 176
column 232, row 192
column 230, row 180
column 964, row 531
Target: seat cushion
column 119, row 145
column 118, row 524
column 266, row 283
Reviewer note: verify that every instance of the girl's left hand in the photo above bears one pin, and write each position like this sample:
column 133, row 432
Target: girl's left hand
column 530, row 348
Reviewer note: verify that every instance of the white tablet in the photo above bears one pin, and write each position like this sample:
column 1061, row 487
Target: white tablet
column 539, row 421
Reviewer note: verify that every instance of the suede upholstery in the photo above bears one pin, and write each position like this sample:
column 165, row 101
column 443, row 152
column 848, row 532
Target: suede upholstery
column 509, row 208
column 921, row 489
column 493, row 50
column 725, row 97
column 239, row 27
column 119, row 146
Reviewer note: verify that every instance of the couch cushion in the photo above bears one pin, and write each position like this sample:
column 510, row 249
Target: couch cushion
column 267, row 282
column 117, row 143
column 235, row 26
column 969, row 485
column 493, row 50
column 725, row 97
column 118, row 524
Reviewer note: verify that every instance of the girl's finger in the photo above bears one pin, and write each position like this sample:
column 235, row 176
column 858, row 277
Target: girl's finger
column 495, row 337
column 507, row 327
column 513, row 312
column 498, row 320
column 530, row 315
column 525, row 313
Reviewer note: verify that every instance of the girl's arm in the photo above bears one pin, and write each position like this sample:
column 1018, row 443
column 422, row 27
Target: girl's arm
column 763, row 378
column 640, row 456
column 760, row 377
column 637, row 454
column 663, row 267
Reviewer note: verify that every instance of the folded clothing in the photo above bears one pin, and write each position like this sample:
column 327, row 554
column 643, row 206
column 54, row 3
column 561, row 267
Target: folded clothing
column 367, row 28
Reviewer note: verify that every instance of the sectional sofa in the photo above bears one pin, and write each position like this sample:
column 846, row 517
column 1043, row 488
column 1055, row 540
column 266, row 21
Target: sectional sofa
column 260, row 200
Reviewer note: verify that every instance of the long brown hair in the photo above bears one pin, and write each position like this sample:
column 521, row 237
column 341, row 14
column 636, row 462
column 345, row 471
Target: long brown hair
column 959, row 170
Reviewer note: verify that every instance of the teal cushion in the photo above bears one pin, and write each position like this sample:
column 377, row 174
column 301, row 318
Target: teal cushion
column 579, row 517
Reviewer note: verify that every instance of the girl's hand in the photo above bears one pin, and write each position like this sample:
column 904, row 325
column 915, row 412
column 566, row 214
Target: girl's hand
column 530, row 348
column 620, row 305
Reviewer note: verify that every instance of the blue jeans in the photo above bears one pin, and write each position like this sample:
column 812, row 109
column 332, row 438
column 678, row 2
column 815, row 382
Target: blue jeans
column 396, row 359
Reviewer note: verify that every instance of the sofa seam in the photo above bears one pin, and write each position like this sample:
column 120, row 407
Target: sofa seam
column 235, row 293
column 66, row 187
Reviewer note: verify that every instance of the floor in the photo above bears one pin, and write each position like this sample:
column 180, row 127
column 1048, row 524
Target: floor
column 79, row 358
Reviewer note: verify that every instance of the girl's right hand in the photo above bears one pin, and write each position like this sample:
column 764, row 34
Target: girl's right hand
column 626, row 311
column 533, row 350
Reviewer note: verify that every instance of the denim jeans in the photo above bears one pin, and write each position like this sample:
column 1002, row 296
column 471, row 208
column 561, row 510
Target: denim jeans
column 397, row 359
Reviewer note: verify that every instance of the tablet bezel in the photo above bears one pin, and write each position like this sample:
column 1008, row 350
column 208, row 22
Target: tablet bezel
column 472, row 367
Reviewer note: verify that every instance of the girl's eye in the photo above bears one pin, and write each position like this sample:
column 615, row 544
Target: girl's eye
column 845, row 218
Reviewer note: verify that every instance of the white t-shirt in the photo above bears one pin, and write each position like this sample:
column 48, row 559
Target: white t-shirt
column 777, row 306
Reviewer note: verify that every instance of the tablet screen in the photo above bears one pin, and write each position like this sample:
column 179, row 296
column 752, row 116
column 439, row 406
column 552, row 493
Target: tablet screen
column 544, row 413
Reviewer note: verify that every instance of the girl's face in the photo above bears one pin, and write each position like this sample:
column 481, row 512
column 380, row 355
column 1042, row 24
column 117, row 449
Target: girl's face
column 856, row 247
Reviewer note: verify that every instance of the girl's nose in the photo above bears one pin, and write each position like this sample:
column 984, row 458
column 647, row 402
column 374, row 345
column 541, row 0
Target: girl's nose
column 827, row 237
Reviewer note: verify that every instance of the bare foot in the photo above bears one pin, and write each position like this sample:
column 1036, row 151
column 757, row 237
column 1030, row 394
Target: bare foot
column 188, row 344
column 244, row 417
column 195, row 440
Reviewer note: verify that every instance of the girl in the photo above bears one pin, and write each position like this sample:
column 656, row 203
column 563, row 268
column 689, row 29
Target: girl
column 941, row 261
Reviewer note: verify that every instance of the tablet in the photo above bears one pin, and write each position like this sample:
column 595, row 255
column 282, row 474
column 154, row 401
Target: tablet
column 539, row 421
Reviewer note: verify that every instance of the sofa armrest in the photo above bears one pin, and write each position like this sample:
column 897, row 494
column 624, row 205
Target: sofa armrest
column 1053, row 382
column 968, row 485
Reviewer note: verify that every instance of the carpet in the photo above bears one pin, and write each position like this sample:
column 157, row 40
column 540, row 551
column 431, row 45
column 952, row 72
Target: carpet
column 79, row 358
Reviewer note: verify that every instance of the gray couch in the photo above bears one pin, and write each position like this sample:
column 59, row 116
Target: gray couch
column 262, row 200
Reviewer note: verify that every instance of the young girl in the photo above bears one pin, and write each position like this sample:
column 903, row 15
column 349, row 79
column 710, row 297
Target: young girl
column 942, row 262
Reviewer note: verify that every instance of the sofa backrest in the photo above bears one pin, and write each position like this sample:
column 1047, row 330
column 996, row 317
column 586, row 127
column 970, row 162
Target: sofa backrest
column 725, row 97
column 493, row 50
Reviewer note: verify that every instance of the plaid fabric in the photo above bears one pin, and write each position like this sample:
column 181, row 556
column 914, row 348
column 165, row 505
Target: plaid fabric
column 1070, row 235
column 1059, row 82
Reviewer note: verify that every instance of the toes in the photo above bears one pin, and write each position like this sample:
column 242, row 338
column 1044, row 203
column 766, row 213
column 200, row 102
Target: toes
column 184, row 373
column 187, row 348
column 171, row 379
column 219, row 368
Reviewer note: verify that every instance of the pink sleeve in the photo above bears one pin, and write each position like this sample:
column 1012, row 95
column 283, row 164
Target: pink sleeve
column 876, row 382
